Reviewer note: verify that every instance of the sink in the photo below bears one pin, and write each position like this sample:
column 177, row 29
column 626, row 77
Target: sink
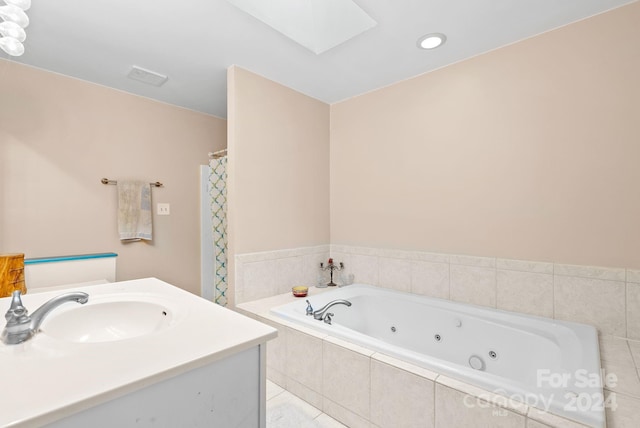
column 107, row 321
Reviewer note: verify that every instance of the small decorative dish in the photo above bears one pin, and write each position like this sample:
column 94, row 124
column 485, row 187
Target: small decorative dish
column 300, row 291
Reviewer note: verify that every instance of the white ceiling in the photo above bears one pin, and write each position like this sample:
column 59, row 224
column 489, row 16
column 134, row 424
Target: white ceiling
column 194, row 41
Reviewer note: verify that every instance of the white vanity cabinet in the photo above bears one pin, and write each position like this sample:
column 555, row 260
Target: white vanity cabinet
column 223, row 394
column 202, row 366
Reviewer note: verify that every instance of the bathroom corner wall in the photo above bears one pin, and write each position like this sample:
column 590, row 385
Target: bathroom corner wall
column 278, row 176
column 59, row 136
column 526, row 152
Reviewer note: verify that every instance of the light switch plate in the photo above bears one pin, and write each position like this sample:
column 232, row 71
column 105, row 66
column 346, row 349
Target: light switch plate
column 164, row 209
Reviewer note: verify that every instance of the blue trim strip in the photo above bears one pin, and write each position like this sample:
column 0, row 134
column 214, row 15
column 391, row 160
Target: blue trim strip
column 68, row 258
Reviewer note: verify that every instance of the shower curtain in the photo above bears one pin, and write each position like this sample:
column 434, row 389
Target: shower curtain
column 218, row 203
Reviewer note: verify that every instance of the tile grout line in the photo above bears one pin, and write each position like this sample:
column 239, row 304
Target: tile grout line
column 553, row 290
column 626, row 313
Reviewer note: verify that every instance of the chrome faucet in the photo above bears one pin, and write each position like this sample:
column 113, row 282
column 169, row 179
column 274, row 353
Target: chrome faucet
column 21, row 327
column 319, row 314
column 327, row 318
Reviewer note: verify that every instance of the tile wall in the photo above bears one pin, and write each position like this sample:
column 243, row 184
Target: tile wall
column 607, row 298
column 265, row 274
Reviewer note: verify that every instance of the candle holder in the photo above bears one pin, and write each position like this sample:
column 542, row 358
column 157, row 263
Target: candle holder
column 331, row 267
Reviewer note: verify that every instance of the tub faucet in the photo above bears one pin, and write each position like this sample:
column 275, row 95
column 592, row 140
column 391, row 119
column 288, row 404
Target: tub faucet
column 319, row 314
column 21, row 327
column 327, row 318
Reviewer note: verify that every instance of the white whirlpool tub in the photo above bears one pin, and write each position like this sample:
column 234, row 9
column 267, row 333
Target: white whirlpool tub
column 548, row 364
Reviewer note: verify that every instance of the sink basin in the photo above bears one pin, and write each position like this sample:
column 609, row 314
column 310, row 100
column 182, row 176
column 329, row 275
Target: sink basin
column 107, row 321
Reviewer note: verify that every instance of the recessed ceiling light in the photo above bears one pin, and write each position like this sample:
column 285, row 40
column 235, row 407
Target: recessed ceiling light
column 431, row 41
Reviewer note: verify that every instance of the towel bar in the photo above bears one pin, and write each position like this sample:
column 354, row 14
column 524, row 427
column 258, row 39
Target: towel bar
column 107, row 181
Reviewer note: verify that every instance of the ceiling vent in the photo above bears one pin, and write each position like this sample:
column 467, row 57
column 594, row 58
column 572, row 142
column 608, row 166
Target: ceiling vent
column 147, row 76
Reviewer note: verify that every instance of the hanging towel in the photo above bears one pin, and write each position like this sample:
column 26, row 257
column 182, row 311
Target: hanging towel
column 134, row 210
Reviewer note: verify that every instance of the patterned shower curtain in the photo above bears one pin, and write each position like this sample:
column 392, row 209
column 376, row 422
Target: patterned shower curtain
column 218, row 200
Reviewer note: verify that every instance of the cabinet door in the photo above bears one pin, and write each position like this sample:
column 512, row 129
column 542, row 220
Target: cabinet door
column 220, row 395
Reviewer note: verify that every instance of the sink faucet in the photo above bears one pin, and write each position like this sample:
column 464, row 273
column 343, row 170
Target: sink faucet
column 319, row 314
column 21, row 327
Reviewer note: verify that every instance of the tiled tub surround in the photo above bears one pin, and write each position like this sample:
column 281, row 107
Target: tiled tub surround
column 446, row 337
column 363, row 388
column 268, row 273
column 607, row 298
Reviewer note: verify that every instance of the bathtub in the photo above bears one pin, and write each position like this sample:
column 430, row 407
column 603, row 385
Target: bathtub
column 548, row 364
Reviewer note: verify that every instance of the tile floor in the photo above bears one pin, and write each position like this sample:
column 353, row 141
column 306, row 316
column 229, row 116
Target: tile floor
column 285, row 410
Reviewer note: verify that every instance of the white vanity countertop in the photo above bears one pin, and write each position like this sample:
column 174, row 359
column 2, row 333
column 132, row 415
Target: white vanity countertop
column 45, row 379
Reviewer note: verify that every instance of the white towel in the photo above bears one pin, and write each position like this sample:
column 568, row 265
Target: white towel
column 134, row 210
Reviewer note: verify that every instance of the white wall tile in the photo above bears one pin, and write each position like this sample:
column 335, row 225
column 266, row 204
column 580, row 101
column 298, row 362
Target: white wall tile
column 535, row 424
column 615, row 349
column 468, row 279
column 259, row 280
column 627, row 379
column 635, row 352
column 453, row 410
column 363, row 251
column 403, row 365
column 288, row 273
column 276, row 348
column 394, row 273
column 506, row 402
column 254, row 257
column 591, row 301
column 627, row 413
column 268, row 273
column 595, row 272
column 525, row 292
column 345, row 344
column 276, row 377
column 304, row 359
column 430, row 257
column 633, row 276
column 475, row 285
column 338, row 248
column 393, row 253
column 430, row 279
column 346, row 378
column 311, row 267
column 633, row 311
column 400, row 399
column 524, row 266
column 307, row 394
column 364, row 268
column 552, row 420
column 486, row 262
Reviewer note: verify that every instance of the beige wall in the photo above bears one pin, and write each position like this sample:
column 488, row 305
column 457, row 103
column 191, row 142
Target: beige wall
column 278, row 177
column 530, row 151
column 59, row 136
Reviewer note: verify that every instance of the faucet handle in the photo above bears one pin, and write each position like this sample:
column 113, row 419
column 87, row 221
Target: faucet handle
column 309, row 308
column 17, row 313
column 327, row 318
